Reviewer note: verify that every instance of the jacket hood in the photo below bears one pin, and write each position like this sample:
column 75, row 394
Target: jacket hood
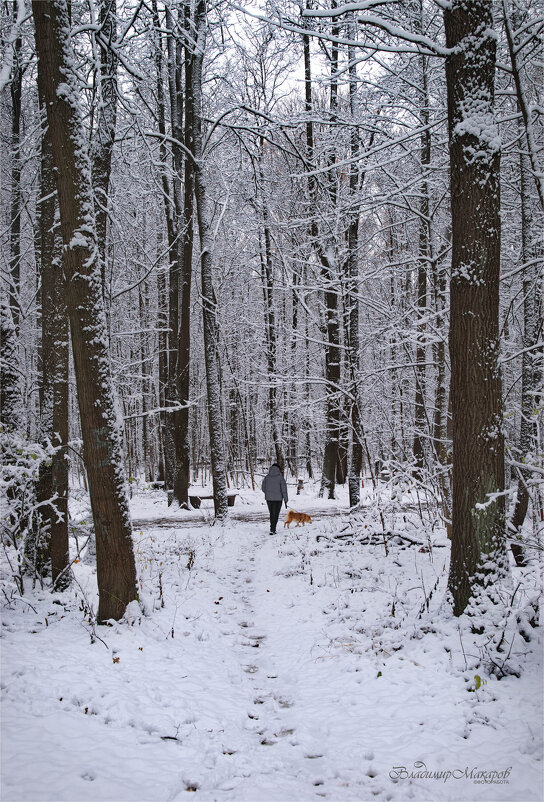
column 274, row 471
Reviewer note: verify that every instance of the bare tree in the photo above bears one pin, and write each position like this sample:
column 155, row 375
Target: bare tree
column 168, row 296
column 209, row 302
column 116, row 570
column 331, row 323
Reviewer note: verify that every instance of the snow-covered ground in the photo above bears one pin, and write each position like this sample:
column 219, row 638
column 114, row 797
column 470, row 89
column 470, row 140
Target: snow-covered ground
column 298, row 667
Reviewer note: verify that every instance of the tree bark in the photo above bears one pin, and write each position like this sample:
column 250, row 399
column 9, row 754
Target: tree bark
column 116, row 570
column 478, row 554
column 54, row 368
column 183, row 446
column 181, row 266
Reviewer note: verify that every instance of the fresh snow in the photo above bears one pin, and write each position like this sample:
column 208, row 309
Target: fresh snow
column 286, row 668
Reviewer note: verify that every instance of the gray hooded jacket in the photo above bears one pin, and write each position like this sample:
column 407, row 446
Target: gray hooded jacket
column 274, row 486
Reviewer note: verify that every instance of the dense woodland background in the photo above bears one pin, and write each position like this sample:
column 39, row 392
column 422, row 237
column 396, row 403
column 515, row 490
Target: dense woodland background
column 270, row 255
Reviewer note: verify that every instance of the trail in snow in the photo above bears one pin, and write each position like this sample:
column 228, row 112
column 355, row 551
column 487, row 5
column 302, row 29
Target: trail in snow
column 205, row 515
column 303, row 732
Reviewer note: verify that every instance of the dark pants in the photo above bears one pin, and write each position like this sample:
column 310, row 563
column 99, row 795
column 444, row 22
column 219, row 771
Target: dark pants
column 274, row 508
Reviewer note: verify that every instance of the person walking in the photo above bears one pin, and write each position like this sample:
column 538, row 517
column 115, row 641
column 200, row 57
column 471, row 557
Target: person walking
column 275, row 491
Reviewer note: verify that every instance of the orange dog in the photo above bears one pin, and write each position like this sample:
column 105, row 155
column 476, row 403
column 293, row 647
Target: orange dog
column 298, row 517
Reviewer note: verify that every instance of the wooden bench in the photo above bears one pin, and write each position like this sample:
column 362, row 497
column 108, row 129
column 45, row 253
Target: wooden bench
column 197, row 500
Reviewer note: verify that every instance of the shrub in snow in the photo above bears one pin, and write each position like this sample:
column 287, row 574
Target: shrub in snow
column 22, row 530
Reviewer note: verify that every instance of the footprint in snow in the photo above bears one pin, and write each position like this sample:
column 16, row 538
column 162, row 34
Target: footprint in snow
column 284, row 702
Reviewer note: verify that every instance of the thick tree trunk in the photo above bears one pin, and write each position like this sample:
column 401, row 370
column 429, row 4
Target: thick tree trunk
column 478, row 555
column 209, row 303
column 54, row 368
column 116, row 570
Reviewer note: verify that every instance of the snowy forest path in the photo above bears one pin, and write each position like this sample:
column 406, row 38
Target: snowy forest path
column 204, row 516
column 271, row 622
column 264, row 618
